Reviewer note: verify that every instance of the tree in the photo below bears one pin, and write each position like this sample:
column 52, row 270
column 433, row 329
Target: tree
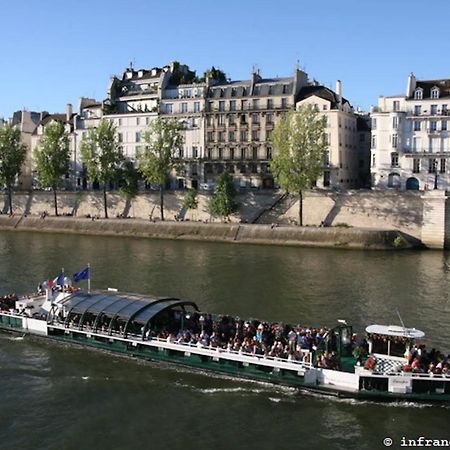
column 222, row 202
column 190, row 200
column 128, row 179
column 299, row 150
column 12, row 156
column 214, row 74
column 52, row 157
column 101, row 153
column 160, row 156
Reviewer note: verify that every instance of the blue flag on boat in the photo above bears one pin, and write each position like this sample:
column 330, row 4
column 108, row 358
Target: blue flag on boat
column 82, row 275
column 59, row 280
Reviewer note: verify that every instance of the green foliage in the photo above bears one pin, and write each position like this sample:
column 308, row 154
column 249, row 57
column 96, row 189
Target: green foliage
column 160, row 155
column 179, row 77
column 128, row 180
column 214, row 74
column 299, row 150
column 12, row 156
column 52, row 156
column 101, row 153
column 190, row 200
column 164, row 141
column 222, row 202
column 398, row 242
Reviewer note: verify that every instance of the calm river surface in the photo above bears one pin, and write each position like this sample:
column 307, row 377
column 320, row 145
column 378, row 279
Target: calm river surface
column 57, row 397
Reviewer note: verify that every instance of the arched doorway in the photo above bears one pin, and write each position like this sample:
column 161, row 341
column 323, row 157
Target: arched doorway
column 394, row 180
column 412, row 184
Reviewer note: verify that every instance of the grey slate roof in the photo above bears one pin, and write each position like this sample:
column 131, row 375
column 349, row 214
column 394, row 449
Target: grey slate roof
column 322, row 92
column 427, row 85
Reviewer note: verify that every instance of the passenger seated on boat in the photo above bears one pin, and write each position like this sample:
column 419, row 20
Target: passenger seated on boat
column 416, row 366
column 370, row 363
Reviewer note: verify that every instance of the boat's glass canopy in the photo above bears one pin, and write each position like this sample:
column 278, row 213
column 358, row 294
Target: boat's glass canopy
column 139, row 308
column 395, row 330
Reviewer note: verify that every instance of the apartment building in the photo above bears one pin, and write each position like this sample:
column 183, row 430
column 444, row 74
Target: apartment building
column 410, row 140
column 240, row 117
column 342, row 160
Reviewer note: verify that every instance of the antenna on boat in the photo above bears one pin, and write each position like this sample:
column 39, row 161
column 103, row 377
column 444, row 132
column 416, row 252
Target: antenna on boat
column 89, row 278
column 400, row 317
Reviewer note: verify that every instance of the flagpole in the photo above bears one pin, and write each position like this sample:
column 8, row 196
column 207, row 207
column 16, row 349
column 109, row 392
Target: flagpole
column 89, row 278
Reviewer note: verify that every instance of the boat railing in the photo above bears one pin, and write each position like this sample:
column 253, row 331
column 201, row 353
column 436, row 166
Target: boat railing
column 401, row 373
column 213, row 352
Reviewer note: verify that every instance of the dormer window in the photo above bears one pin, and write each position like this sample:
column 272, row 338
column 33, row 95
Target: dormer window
column 435, row 92
column 418, row 94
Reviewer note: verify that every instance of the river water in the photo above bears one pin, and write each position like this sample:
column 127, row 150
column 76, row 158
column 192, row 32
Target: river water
column 60, row 397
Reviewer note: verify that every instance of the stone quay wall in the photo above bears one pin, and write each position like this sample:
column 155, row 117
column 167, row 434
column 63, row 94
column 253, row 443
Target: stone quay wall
column 419, row 216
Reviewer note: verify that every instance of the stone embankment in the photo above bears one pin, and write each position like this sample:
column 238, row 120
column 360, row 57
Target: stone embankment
column 336, row 237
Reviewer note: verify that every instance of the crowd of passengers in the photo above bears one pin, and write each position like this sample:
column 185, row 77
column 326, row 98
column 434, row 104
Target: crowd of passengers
column 419, row 359
column 8, row 302
column 250, row 337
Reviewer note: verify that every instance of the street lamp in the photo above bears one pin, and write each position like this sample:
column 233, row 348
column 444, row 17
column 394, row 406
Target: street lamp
column 202, row 322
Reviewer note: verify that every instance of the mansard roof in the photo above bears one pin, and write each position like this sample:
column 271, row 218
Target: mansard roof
column 322, row 92
column 264, row 87
column 428, row 85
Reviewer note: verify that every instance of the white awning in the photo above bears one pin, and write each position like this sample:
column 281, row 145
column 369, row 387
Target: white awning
column 395, row 330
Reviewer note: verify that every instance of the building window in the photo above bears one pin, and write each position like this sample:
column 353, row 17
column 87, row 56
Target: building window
column 374, row 141
column 433, row 125
column 220, row 153
column 324, row 107
column 232, row 105
column 243, row 136
column 210, row 136
column 417, row 125
column 221, row 120
column 416, row 165
column 147, row 121
column 433, row 110
column 435, row 92
column 394, row 159
column 416, row 143
column 221, row 106
column 269, row 103
column 444, row 125
column 244, row 104
column 120, row 137
column 396, row 105
column 284, row 103
column 444, row 109
column 443, row 168
column 184, row 107
column 221, row 136
column 169, row 108
column 209, row 153
column 196, row 107
column 194, row 154
column 255, row 103
column 231, row 119
column 268, row 135
column 231, row 136
column 326, row 158
column 268, row 153
column 255, row 135
column 394, row 140
column 269, row 118
column 432, row 163
column 418, row 94
column 373, row 159
column 231, row 153
column 417, row 110
column 255, row 118
column 242, row 153
column 395, row 122
column 138, row 136
column 138, row 121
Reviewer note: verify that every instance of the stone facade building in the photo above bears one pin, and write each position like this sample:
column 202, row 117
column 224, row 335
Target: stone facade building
column 345, row 149
column 410, row 137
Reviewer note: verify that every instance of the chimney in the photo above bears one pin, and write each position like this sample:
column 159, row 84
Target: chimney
column 411, row 85
column 339, row 92
column 69, row 112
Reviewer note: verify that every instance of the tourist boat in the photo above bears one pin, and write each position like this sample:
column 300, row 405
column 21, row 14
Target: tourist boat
column 129, row 324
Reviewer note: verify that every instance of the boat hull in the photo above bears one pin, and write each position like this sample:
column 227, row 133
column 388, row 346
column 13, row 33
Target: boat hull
column 218, row 362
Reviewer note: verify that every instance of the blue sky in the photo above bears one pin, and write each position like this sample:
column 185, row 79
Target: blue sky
column 54, row 52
